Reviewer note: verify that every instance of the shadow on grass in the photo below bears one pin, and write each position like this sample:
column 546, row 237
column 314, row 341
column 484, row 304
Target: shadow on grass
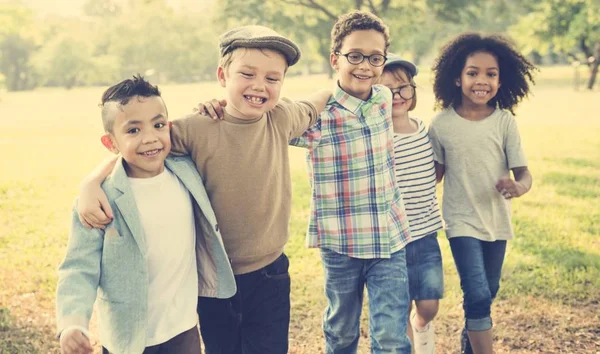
column 13, row 339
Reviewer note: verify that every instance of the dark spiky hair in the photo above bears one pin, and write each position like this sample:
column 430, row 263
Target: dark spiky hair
column 122, row 93
column 516, row 72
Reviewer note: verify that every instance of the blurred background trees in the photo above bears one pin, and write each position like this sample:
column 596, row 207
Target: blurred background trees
column 99, row 41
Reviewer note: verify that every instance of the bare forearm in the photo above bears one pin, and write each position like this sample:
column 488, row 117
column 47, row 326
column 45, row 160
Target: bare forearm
column 102, row 171
column 439, row 172
column 524, row 178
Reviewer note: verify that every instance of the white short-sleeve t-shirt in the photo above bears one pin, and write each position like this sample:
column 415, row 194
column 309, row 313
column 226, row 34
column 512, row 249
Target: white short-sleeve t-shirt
column 475, row 155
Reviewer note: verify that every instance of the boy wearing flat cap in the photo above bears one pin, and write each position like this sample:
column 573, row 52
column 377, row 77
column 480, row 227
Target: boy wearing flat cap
column 243, row 160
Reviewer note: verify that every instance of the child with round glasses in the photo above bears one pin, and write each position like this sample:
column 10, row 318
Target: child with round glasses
column 415, row 175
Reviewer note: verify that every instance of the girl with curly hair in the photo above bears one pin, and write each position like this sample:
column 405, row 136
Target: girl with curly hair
column 479, row 80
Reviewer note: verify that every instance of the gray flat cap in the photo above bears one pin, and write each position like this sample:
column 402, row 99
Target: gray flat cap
column 396, row 60
column 258, row 37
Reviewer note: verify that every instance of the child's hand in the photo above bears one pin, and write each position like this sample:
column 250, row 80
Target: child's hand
column 212, row 108
column 72, row 341
column 510, row 188
column 93, row 207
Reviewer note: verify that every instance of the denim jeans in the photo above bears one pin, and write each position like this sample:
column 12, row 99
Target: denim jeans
column 387, row 286
column 256, row 319
column 425, row 270
column 479, row 266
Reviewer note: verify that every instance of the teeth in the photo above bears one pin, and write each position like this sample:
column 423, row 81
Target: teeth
column 361, row 77
column 480, row 93
column 151, row 152
column 255, row 100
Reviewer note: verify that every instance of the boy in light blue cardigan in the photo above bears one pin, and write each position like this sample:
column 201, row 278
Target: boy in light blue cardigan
column 162, row 250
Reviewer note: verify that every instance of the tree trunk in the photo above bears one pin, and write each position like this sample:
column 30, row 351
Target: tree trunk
column 594, row 67
column 593, row 74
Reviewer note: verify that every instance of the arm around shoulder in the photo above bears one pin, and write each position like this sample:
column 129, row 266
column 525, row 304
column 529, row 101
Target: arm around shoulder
column 319, row 99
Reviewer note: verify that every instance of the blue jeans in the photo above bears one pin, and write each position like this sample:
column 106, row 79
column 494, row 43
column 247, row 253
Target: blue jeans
column 425, row 270
column 479, row 266
column 387, row 286
column 256, row 319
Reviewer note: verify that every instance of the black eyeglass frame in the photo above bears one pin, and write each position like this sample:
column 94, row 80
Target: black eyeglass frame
column 363, row 57
column 398, row 90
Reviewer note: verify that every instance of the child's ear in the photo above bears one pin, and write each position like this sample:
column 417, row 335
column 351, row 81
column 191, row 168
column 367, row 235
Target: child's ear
column 333, row 60
column 221, row 76
column 107, row 141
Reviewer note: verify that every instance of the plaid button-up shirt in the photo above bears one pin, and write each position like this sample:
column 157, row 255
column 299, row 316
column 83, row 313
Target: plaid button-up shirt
column 356, row 208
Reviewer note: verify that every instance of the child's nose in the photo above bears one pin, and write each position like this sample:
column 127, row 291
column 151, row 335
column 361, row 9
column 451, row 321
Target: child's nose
column 149, row 137
column 257, row 85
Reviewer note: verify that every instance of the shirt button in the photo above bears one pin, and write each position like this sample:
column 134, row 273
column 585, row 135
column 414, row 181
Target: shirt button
column 217, row 227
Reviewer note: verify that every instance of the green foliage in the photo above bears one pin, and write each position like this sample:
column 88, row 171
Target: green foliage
column 19, row 38
column 566, row 26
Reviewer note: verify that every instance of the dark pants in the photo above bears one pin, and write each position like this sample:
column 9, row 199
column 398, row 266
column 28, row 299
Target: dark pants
column 187, row 342
column 256, row 319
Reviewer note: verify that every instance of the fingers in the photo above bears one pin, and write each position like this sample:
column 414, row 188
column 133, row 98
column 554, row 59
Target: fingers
column 75, row 342
column 212, row 108
column 105, row 205
column 95, row 218
column 82, row 342
column 506, row 194
column 84, row 222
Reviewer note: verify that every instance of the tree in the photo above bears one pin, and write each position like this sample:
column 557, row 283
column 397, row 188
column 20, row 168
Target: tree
column 19, row 39
column 571, row 27
column 415, row 26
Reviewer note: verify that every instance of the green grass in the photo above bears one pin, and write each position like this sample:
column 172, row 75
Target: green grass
column 49, row 141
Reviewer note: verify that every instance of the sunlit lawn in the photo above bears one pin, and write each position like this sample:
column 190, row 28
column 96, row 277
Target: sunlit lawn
column 49, row 140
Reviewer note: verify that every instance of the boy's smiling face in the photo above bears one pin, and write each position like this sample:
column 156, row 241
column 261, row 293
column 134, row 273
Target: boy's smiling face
column 141, row 134
column 253, row 81
column 357, row 79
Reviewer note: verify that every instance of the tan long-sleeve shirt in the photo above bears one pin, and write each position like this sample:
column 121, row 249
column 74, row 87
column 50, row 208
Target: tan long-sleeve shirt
column 244, row 165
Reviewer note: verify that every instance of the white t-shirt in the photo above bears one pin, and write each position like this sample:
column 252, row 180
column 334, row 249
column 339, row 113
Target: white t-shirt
column 415, row 175
column 476, row 154
column 166, row 214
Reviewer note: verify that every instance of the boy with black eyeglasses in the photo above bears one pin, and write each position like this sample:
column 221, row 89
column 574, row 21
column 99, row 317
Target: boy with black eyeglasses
column 358, row 218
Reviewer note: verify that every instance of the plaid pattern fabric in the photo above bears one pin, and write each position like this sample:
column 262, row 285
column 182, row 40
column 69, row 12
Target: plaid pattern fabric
column 356, row 208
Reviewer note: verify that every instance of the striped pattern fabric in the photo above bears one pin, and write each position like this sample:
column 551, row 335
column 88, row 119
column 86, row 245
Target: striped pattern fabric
column 356, row 207
column 415, row 175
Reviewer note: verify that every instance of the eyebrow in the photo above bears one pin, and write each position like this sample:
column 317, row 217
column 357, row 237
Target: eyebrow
column 255, row 68
column 360, row 50
column 476, row 67
column 158, row 116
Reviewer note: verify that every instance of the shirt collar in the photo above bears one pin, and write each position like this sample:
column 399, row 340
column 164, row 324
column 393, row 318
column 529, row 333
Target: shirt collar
column 351, row 103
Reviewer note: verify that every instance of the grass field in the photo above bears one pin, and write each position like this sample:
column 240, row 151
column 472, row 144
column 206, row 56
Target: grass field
column 549, row 301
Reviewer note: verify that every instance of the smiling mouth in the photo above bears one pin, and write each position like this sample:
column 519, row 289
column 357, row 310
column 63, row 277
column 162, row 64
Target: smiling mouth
column 361, row 77
column 480, row 93
column 151, row 153
column 255, row 100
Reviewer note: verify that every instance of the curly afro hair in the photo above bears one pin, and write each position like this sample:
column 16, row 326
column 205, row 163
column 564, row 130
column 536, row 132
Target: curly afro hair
column 516, row 72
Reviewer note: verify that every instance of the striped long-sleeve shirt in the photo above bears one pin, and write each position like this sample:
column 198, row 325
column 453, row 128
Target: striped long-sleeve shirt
column 415, row 175
column 356, row 207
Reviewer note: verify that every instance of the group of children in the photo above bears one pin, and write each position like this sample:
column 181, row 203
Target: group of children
column 194, row 213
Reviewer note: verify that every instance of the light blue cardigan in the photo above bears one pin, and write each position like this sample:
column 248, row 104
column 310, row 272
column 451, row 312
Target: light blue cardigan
column 110, row 265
